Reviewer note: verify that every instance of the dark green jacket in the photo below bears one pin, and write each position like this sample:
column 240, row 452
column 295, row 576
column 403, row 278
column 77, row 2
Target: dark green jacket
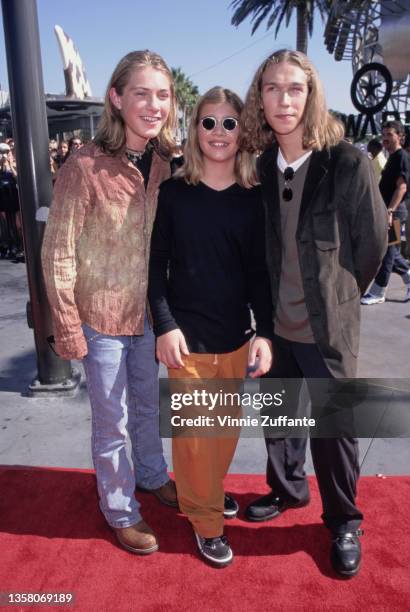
column 341, row 239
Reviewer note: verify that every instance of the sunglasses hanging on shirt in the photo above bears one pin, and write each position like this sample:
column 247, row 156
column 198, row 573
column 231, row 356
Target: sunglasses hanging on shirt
column 287, row 193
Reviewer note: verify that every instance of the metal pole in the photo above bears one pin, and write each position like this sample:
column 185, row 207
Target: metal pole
column 92, row 126
column 30, row 133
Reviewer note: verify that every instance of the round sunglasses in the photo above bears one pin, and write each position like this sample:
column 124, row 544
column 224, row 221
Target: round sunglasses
column 210, row 123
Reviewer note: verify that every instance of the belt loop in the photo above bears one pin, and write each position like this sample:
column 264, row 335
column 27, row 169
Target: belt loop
column 215, row 359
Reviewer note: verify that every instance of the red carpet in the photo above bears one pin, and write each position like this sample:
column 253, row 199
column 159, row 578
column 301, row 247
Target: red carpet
column 53, row 539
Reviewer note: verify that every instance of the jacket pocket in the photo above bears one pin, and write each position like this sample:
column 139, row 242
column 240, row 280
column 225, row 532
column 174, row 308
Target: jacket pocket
column 349, row 316
column 347, row 289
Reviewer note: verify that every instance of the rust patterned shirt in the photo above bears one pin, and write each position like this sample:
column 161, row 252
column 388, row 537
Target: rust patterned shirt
column 96, row 246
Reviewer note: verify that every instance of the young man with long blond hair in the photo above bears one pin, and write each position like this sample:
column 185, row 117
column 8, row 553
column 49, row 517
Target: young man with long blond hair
column 326, row 236
column 95, row 262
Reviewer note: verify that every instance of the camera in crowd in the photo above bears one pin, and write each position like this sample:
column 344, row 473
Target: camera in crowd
column 4, row 150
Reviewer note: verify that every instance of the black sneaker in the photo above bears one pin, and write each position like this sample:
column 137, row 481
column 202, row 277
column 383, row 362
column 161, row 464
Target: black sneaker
column 215, row 550
column 231, row 507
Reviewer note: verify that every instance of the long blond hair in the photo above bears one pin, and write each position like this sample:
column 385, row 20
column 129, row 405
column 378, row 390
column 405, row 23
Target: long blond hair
column 321, row 129
column 191, row 171
column 110, row 135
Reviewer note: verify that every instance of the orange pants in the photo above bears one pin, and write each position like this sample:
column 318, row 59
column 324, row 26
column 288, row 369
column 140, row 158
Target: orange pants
column 201, row 463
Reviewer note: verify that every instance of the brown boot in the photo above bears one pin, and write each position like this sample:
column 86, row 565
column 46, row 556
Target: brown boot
column 167, row 494
column 138, row 539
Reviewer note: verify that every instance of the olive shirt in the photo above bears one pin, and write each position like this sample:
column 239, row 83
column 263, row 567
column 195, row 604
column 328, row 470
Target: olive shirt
column 96, row 246
column 292, row 319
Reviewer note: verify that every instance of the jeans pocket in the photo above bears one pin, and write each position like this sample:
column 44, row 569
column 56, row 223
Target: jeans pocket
column 90, row 333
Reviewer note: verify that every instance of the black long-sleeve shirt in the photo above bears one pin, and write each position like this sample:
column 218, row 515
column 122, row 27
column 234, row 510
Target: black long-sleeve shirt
column 208, row 266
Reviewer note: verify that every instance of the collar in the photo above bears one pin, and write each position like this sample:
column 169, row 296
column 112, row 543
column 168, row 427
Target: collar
column 283, row 164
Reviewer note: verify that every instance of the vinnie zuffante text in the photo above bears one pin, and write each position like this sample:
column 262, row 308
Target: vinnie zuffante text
column 222, row 400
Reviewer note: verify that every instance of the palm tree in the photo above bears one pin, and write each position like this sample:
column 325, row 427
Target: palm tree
column 187, row 94
column 275, row 11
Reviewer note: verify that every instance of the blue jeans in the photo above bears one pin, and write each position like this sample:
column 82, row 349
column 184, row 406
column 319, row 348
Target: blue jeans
column 122, row 380
column 393, row 260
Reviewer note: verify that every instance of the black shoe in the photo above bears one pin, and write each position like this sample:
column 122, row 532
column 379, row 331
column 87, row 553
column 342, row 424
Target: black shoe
column 269, row 506
column 346, row 554
column 231, row 507
column 215, row 550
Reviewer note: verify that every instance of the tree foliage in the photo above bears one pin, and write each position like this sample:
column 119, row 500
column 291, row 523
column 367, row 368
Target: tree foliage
column 187, row 94
column 279, row 12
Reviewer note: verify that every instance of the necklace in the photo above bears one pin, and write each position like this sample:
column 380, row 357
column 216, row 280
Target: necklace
column 134, row 156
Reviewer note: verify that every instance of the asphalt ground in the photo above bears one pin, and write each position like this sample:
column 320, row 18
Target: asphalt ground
column 55, row 431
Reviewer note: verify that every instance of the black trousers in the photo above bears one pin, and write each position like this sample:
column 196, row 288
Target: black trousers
column 336, row 460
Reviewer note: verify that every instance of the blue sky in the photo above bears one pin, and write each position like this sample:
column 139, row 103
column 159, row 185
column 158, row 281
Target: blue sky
column 191, row 34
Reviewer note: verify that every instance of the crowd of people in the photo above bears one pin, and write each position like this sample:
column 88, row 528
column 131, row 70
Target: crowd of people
column 271, row 212
column 60, row 151
column 11, row 234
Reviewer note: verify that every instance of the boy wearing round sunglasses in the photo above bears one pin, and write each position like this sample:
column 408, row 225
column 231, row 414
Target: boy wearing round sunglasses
column 207, row 265
column 326, row 237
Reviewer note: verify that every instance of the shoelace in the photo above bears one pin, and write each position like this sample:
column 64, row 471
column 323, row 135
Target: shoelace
column 212, row 542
